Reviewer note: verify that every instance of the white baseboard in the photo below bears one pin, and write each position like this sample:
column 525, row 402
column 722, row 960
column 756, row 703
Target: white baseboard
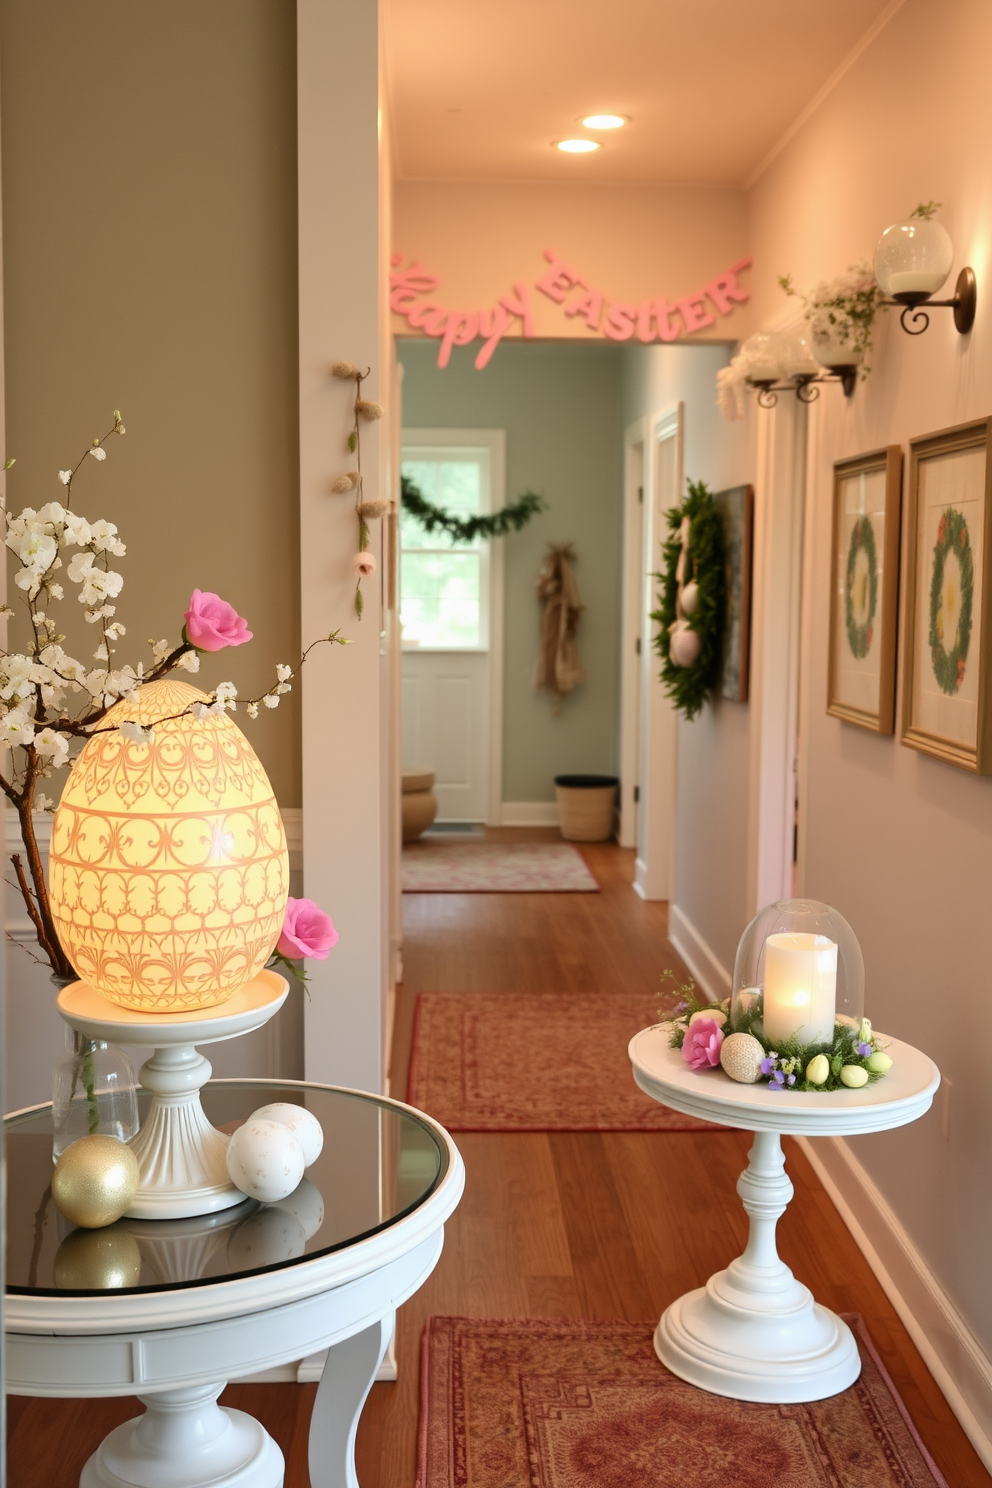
column 529, row 814
column 950, row 1350
column 309, row 1371
column 709, row 971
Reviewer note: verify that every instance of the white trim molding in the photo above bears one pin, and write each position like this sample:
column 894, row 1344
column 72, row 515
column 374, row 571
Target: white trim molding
column 632, row 638
column 529, row 814
column 950, row 1350
column 707, row 968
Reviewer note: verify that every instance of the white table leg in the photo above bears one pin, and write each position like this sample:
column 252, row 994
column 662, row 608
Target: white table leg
column 186, row 1440
column 754, row 1332
column 344, row 1386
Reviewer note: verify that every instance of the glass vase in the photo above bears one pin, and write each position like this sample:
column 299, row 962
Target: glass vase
column 93, row 1092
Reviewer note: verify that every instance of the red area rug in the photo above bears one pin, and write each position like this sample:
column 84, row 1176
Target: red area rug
column 534, row 1062
column 436, row 866
column 557, row 1404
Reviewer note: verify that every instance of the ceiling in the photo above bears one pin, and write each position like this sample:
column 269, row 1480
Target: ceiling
column 480, row 88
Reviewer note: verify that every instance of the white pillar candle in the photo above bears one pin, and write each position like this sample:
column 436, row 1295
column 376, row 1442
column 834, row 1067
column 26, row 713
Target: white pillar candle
column 800, row 988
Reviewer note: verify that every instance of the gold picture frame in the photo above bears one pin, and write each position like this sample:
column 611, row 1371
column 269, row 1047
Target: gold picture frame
column 864, row 589
column 946, row 698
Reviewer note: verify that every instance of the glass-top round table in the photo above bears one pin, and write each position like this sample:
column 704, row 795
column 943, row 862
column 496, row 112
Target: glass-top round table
column 378, row 1163
column 170, row 1310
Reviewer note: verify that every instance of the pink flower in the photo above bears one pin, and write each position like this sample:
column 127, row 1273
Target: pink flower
column 364, row 564
column 701, row 1049
column 212, row 624
column 306, row 931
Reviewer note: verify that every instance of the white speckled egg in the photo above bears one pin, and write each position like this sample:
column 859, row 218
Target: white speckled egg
column 304, row 1126
column 741, row 1056
column 265, row 1160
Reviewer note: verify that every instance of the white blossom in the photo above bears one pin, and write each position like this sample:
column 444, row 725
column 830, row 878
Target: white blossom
column 104, row 538
column 43, row 803
column 271, row 700
column 283, row 687
column 115, row 631
column 284, row 672
column 97, row 585
column 16, row 727
column 56, row 591
column 16, row 676
column 160, row 650
column 136, row 733
column 188, row 662
column 98, row 454
column 199, row 710
column 65, row 476
column 76, row 532
column 102, row 652
column 55, row 744
column 252, row 710
column 224, row 696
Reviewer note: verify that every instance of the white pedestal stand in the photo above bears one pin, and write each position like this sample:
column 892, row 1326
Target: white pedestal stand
column 182, row 1158
column 754, row 1332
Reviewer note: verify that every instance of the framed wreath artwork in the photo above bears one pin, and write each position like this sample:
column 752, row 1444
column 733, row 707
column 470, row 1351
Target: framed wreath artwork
column 864, row 591
column 946, row 695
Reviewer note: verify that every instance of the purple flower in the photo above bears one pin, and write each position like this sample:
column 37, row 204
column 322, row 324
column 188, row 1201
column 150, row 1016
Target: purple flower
column 701, row 1046
column 791, row 1080
column 778, row 1077
column 864, row 1050
column 768, row 1064
column 680, row 1006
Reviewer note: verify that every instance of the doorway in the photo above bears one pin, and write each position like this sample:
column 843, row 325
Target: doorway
column 451, row 616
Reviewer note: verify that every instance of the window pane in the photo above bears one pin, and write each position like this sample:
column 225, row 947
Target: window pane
column 451, row 483
column 440, row 598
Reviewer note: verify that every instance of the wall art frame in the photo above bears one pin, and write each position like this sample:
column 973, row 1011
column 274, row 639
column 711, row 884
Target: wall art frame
column 736, row 509
column 864, row 589
column 947, row 619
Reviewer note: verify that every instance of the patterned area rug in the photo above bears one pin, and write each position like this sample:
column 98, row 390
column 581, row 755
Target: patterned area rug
column 534, row 1062
column 437, row 866
column 558, row 1404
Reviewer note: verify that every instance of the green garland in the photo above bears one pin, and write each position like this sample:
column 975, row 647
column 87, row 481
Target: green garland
column 690, row 686
column 859, row 633
column 785, row 1065
column 467, row 529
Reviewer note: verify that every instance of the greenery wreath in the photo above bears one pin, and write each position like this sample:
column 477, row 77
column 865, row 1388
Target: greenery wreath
column 952, row 538
column 859, row 633
column 467, row 529
column 690, row 686
column 788, row 1066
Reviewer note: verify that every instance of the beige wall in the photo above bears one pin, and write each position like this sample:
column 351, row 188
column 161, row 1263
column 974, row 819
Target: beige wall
column 149, row 201
column 633, row 242
column 900, row 843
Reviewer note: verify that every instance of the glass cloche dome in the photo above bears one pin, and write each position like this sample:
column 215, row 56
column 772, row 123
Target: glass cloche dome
column 913, row 258
column 800, row 967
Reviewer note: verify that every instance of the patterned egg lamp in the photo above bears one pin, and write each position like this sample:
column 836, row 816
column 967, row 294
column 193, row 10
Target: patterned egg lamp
column 799, row 969
column 168, row 882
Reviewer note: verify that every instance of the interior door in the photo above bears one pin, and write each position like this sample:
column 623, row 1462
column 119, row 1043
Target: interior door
column 451, row 688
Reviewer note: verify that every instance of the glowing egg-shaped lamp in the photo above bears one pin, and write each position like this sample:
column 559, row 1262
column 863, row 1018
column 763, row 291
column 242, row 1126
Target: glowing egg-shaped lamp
column 168, row 870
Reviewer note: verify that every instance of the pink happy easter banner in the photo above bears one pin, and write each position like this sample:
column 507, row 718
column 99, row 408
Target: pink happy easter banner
column 619, row 320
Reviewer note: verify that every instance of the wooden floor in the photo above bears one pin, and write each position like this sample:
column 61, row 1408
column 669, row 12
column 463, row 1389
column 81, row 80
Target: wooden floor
column 611, row 1225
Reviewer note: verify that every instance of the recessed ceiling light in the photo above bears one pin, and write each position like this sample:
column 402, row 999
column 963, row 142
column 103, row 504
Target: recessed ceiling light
column 605, row 121
column 576, row 146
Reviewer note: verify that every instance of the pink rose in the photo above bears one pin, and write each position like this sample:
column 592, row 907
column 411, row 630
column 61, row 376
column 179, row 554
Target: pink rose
column 212, row 624
column 364, row 564
column 306, row 931
column 701, row 1049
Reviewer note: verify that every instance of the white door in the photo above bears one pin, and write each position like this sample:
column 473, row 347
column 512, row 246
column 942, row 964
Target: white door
column 451, row 617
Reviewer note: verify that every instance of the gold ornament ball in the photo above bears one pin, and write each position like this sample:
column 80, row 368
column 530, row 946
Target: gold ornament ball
column 97, row 1261
column 95, row 1181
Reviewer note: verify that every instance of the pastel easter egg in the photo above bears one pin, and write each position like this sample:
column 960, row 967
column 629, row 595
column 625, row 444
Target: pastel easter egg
column 879, row 1063
column 853, row 1076
column 302, row 1123
column 818, row 1070
column 740, row 1057
column 265, row 1160
column 714, row 1014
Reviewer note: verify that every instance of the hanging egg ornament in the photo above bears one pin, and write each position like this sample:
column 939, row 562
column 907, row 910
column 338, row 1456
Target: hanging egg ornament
column 95, row 1181
column 740, row 1057
column 690, row 598
column 168, row 866
column 684, row 645
column 265, row 1160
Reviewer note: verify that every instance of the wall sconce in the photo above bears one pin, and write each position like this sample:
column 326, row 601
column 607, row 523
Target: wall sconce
column 912, row 260
column 783, row 362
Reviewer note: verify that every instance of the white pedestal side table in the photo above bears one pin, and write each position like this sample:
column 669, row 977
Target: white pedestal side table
column 172, row 1310
column 754, row 1332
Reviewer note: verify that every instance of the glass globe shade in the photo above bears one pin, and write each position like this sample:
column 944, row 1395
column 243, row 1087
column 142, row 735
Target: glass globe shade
column 763, row 356
column 800, row 967
column 831, row 352
column 797, row 355
column 913, row 258
column 168, row 870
